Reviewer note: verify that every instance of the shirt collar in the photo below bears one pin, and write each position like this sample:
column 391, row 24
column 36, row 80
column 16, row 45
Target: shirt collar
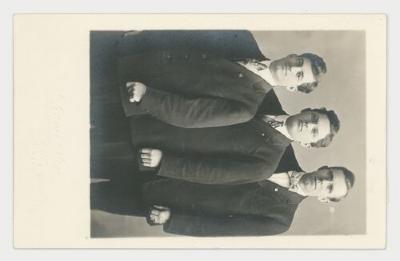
column 260, row 68
column 282, row 129
column 289, row 181
column 295, row 177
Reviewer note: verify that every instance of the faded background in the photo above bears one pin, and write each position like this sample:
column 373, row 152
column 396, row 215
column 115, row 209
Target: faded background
column 343, row 90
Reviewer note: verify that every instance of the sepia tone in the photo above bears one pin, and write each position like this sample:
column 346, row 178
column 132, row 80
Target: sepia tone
column 342, row 89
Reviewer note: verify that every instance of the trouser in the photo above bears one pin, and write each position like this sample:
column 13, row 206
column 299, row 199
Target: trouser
column 121, row 195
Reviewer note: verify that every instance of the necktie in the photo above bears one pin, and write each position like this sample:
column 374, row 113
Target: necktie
column 294, row 178
column 272, row 122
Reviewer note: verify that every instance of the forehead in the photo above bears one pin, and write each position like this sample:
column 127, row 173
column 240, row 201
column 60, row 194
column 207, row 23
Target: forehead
column 308, row 75
column 339, row 184
column 324, row 125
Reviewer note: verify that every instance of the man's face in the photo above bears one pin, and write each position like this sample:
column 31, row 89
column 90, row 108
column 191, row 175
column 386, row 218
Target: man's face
column 308, row 127
column 324, row 183
column 292, row 71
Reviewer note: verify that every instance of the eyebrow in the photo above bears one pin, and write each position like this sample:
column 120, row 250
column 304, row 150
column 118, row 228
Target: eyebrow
column 330, row 188
column 330, row 174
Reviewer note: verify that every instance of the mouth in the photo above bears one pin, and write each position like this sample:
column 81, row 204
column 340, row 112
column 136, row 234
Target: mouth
column 283, row 68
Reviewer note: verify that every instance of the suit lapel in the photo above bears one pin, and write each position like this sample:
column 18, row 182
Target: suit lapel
column 285, row 196
column 271, row 105
column 271, row 135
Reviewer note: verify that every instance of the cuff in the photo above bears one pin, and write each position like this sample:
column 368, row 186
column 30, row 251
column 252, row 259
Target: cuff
column 150, row 99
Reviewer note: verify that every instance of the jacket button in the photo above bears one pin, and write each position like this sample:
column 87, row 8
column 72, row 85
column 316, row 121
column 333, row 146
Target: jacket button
column 240, row 75
column 204, row 56
column 186, row 56
column 276, row 189
column 263, row 134
column 230, row 216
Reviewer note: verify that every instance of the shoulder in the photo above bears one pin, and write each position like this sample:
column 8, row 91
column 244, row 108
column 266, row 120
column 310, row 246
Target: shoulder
column 231, row 44
column 288, row 161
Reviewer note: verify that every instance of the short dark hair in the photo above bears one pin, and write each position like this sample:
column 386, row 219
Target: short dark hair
column 349, row 178
column 334, row 124
column 318, row 67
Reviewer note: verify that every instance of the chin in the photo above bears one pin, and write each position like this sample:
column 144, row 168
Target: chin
column 293, row 135
column 273, row 65
column 290, row 122
column 291, row 128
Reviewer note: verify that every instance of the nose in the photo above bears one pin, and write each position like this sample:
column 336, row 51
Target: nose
column 325, row 183
column 310, row 125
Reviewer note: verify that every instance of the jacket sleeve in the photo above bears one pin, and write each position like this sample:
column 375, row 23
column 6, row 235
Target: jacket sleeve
column 191, row 225
column 213, row 170
column 198, row 112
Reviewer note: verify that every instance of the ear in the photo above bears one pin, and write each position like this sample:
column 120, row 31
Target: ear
column 323, row 200
column 306, row 145
column 291, row 88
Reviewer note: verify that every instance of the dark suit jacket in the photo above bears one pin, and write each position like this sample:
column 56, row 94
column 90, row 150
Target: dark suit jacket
column 262, row 208
column 231, row 44
column 233, row 154
column 192, row 89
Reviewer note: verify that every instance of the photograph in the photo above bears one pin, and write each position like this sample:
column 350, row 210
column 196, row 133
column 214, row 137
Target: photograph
column 227, row 133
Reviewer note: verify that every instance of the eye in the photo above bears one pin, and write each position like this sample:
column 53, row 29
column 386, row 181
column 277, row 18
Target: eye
column 314, row 132
column 314, row 118
column 300, row 75
column 299, row 61
column 330, row 188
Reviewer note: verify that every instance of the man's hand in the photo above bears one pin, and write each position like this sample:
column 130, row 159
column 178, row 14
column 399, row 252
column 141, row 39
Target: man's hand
column 159, row 214
column 150, row 157
column 136, row 91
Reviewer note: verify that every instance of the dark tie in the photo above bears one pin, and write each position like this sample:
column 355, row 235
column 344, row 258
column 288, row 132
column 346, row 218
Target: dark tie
column 294, row 178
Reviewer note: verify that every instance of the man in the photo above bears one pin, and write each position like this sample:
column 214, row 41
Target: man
column 234, row 154
column 195, row 90
column 261, row 208
column 234, row 45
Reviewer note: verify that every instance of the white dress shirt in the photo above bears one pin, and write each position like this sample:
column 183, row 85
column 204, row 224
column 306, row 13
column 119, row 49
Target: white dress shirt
column 261, row 68
column 288, row 180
